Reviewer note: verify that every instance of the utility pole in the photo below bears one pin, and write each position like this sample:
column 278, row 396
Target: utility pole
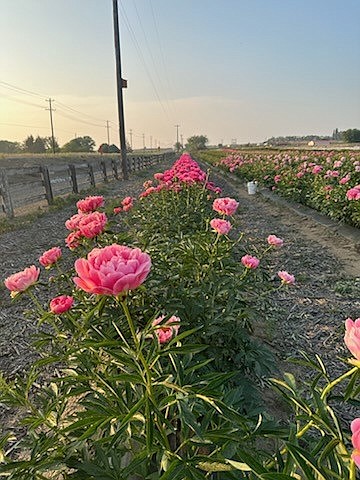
column 130, row 133
column 52, row 125
column 151, row 142
column 177, row 135
column 108, row 134
column 120, row 85
column 181, row 140
column 143, row 135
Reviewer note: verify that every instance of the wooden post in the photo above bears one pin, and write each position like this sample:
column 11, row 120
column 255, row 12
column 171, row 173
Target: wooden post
column 103, row 168
column 5, row 193
column 114, row 169
column 47, row 184
column 72, row 171
column 91, row 174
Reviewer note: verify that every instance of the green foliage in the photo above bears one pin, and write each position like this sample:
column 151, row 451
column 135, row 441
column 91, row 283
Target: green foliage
column 9, row 147
column 79, row 144
column 352, row 135
column 196, row 142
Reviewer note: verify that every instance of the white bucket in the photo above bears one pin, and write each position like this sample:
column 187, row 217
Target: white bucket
column 251, row 187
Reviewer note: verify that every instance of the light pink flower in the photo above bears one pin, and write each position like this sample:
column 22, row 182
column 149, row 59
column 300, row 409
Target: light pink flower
column 225, row 206
column 317, row 169
column 353, row 193
column 277, row 178
column 73, row 239
column 21, row 281
column 286, row 277
column 112, row 270
column 250, row 262
column 355, row 439
column 61, row 304
column 127, row 203
column 275, row 241
column 92, row 224
column 166, row 331
column 50, row 257
column 352, row 336
column 90, row 204
column 222, row 227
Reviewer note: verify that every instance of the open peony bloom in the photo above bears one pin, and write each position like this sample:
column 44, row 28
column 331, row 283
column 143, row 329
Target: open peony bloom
column 61, row 304
column 90, row 204
column 222, row 227
column 352, row 336
column 93, row 224
column 50, row 257
column 275, row 241
column 21, row 281
column 355, row 439
column 250, row 262
column 286, row 277
column 225, row 206
column 112, row 270
column 166, row 331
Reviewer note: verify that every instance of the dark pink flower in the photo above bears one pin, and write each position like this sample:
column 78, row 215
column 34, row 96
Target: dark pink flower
column 73, row 240
column 112, row 270
column 92, row 224
column 61, row 304
column 50, row 257
column 90, row 204
column 73, row 222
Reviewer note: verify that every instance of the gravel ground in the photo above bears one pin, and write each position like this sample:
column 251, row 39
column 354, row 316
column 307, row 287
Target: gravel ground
column 309, row 316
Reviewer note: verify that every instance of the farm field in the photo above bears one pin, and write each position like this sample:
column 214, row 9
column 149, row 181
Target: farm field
column 278, row 323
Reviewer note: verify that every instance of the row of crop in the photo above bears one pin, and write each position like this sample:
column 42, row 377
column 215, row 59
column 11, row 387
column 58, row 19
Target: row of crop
column 327, row 181
column 155, row 366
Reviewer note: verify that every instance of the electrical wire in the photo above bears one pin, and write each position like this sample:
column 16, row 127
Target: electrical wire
column 24, row 102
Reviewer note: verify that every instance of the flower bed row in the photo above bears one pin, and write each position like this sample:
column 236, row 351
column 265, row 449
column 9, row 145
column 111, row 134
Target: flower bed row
column 327, row 181
column 148, row 368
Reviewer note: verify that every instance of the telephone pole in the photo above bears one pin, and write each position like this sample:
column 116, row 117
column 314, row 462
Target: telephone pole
column 177, row 133
column 108, row 134
column 52, row 125
column 120, row 86
column 130, row 133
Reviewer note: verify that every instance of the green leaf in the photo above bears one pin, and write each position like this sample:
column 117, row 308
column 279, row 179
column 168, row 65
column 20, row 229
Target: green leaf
column 306, row 462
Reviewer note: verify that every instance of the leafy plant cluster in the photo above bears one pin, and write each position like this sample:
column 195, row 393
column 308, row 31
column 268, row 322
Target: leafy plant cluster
column 107, row 400
column 318, row 179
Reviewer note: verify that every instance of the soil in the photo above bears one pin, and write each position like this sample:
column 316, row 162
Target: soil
column 308, row 317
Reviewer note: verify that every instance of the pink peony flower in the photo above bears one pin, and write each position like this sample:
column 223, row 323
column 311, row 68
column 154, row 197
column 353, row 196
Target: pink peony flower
column 112, row 270
column 355, row 439
column 61, row 304
column 21, row 281
column 166, row 331
column 353, row 193
column 50, row 257
column 225, row 206
column 286, row 277
column 317, row 169
column 89, row 204
column 352, row 336
column 127, row 203
column 118, row 210
column 277, row 178
column 222, row 227
column 250, row 262
column 275, row 241
column 73, row 239
column 92, row 224
column 73, row 222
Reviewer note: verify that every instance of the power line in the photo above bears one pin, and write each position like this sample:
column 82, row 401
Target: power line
column 17, row 100
column 21, row 90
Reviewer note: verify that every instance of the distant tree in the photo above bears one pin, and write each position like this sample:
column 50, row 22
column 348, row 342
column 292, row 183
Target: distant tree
column 9, row 147
column 28, row 144
column 196, row 142
column 79, row 144
column 113, row 149
column 104, row 148
column 178, row 147
column 49, row 145
column 351, row 136
column 37, row 145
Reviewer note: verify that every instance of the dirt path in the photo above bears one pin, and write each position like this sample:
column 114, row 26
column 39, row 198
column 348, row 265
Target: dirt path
column 310, row 316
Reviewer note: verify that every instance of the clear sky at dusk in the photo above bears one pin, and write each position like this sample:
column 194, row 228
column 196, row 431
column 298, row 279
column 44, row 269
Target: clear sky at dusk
column 229, row 69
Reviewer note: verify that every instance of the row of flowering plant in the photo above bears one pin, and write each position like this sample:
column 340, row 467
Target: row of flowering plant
column 328, row 181
column 145, row 347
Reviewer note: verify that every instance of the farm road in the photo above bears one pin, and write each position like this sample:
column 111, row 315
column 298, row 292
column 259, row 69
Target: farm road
column 309, row 316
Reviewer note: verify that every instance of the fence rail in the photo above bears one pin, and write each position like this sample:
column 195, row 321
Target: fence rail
column 26, row 186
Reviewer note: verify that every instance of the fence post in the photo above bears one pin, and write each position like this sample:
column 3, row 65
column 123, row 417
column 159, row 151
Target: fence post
column 47, row 184
column 114, row 169
column 5, row 193
column 91, row 174
column 72, row 171
column 103, row 168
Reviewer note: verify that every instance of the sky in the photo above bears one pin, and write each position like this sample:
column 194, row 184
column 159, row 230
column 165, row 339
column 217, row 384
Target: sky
column 233, row 70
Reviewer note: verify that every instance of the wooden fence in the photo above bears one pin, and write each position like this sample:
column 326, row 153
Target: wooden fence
column 22, row 187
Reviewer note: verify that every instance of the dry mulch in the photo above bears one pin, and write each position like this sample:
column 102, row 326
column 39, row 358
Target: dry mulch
column 309, row 316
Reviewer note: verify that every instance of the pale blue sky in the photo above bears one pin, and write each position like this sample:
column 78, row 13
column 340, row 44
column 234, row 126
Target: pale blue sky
column 229, row 69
